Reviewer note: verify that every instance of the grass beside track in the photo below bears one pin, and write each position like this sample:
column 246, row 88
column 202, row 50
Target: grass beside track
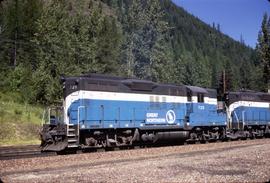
column 19, row 122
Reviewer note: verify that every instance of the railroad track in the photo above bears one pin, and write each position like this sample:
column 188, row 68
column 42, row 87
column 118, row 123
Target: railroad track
column 30, row 151
column 17, row 152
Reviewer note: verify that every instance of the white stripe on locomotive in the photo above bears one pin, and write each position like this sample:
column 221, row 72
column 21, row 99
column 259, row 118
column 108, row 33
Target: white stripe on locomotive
column 135, row 97
column 237, row 104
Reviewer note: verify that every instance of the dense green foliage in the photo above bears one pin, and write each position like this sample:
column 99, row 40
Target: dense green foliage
column 42, row 40
column 66, row 38
column 263, row 50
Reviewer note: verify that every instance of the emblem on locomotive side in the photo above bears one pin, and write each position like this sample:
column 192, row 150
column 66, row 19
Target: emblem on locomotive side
column 170, row 116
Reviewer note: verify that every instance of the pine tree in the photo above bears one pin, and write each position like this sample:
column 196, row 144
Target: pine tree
column 263, row 50
column 133, row 19
column 187, row 69
column 161, row 63
column 147, row 54
column 73, row 38
column 245, row 72
column 17, row 24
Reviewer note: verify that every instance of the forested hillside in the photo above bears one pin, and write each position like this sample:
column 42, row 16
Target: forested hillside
column 42, row 40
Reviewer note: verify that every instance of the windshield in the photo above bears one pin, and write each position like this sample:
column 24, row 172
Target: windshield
column 55, row 115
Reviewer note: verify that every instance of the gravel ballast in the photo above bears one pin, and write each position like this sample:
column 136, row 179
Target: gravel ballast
column 237, row 161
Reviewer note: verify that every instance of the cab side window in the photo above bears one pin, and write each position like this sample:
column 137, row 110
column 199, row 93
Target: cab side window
column 189, row 96
column 200, row 98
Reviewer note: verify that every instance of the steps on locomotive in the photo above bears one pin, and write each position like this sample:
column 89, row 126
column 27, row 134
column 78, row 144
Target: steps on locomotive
column 72, row 136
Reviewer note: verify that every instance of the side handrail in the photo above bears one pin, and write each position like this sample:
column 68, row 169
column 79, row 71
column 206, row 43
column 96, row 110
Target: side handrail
column 78, row 122
column 243, row 119
column 49, row 115
column 229, row 120
column 237, row 119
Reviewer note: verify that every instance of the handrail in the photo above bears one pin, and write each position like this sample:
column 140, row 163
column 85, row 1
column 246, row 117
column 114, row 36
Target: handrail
column 229, row 118
column 78, row 122
column 237, row 119
column 43, row 121
column 243, row 119
column 49, row 115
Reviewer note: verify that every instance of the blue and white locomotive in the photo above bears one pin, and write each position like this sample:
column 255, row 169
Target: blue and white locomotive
column 106, row 111
column 248, row 113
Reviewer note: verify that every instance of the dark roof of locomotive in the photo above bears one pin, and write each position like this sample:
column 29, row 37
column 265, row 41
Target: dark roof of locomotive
column 248, row 96
column 196, row 89
column 101, row 76
column 99, row 82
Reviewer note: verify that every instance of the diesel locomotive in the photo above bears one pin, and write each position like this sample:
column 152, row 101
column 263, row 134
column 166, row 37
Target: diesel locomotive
column 101, row 111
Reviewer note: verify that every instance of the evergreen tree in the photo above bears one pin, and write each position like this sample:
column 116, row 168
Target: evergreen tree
column 73, row 39
column 188, row 69
column 147, row 54
column 245, row 72
column 17, row 24
column 161, row 62
column 263, row 50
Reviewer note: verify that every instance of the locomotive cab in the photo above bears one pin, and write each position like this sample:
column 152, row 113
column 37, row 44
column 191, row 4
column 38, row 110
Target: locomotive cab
column 56, row 115
column 206, row 119
column 53, row 134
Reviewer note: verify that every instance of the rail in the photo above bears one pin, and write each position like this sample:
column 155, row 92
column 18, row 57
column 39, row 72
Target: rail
column 18, row 152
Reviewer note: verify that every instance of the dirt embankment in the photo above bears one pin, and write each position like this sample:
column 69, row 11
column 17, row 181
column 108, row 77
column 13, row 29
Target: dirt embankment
column 19, row 122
